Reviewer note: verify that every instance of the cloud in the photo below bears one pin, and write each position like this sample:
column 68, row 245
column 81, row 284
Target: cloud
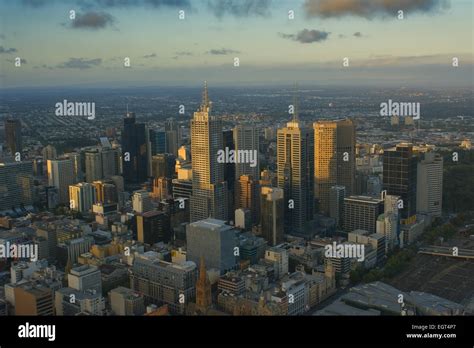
column 239, row 8
column 153, row 55
column 221, row 52
column 307, row 36
column 357, row 34
column 22, row 60
column 92, row 20
column 7, row 50
column 34, row 3
column 152, row 3
column 369, row 8
column 184, row 53
column 80, row 63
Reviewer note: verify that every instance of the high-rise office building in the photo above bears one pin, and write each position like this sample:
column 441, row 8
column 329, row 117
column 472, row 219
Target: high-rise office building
column 336, row 204
column 162, row 189
column 400, row 178
column 49, row 153
column 61, row 175
column 229, row 171
column 16, row 184
column 82, row 196
column 173, row 136
column 125, row 301
column 246, row 139
column 209, row 198
column 105, row 191
column 295, row 160
column 361, row 213
column 182, row 188
column 134, row 150
column 110, row 162
column 213, row 240
column 271, row 216
column 429, row 190
column 163, row 165
column 141, row 201
column 13, row 138
column 247, row 196
column 158, row 143
column 93, row 161
column 334, row 158
column 78, row 163
column 153, row 227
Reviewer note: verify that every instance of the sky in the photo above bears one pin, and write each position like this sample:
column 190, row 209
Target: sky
column 90, row 50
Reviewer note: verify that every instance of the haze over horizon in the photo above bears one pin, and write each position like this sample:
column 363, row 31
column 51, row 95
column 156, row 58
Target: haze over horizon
column 272, row 49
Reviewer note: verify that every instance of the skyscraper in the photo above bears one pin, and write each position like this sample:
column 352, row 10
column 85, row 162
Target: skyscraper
column 173, row 136
column 295, row 156
column 336, row 204
column 246, row 138
column 13, row 135
column 153, row 227
column 209, row 198
column 163, row 165
column 400, row 178
column 82, row 196
column 361, row 213
column 16, row 184
column 271, row 216
column 134, row 150
column 334, row 158
column 247, row 196
column 93, row 160
column 429, row 190
column 61, row 175
column 158, row 143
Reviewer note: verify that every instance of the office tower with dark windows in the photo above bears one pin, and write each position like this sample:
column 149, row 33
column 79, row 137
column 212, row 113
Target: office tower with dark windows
column 400, row 178
column 334, row 159
column 336, row 204
column 173, row 136
column 158, row 142
column 163, row 165
column 141, row 201
column 229, row 171
column 153, row 227
column 247, row 196
column 295, row 174
column 134, row 150
column 361, row 213
column 13, row 138
column 271, row 215
column 210, row 191
column 246, row 138
column 16, row 184
column 61, row 175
